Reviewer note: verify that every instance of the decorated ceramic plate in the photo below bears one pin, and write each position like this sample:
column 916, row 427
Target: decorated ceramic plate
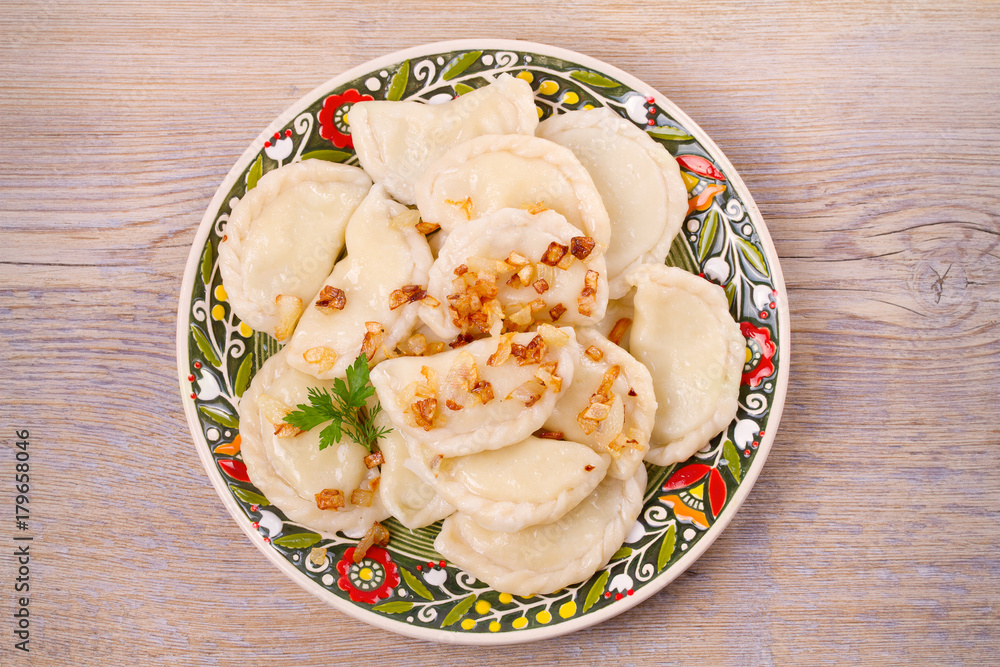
column 407, row 587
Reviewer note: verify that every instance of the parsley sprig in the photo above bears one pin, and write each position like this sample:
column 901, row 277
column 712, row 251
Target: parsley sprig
column 345, row 409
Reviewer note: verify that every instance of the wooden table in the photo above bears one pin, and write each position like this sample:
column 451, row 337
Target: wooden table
column 868, row 134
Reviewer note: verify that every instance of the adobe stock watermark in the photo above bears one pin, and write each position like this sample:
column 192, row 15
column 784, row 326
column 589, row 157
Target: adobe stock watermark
column 22, row 541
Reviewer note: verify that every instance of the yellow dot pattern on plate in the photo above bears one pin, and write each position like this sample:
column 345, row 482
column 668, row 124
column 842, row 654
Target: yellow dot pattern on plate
column 543, row 617
column 570, row 98
column 220, row 293
column 218, row 312
column 468, row 624
column 539, row 110
column 519, row 623
column 505, row 598
column 494, row 626
column 245, row 331
column 366, row 574
column 749, row 355
column 548, row 88
column 567, row 609
column 482, row 606
column 527, row 76
column 588, row 107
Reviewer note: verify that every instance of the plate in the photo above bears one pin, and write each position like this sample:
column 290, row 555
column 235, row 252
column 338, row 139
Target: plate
column 407, row 587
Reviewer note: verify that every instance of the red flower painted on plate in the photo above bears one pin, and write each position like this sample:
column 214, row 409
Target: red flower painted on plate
column 333, row 117
column 370, row 580
column 760, row 351
column 689, row 503
column 235, row 469
column 701, row 166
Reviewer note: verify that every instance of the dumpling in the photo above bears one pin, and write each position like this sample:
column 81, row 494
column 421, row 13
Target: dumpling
column 407, row 497
column 542, row 559
column 487, row 394
column 610, row 406
column 533, row 481
column 282, row 239
column 387, row 263
column 514, row 268
column 396, row 141
column 289, row 468
column 639, row 181
column 493, row 172
column 693, row 348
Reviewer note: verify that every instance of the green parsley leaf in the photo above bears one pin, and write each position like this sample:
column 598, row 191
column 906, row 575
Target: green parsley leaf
column 345, row 409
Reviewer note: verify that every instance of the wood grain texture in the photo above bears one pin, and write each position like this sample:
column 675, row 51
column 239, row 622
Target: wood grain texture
column 867, row 134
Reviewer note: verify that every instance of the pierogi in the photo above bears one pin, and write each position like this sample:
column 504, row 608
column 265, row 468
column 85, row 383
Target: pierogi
column 493, row 172
column 546, row 557
column 282, row 239
column 385, row 256
column 530, row 482
column 639, row 181
column 694, row 350
column 610, row 406
column 289, row 467
column 516, row 268
column 488, row 394
column 396, row 141
column 407, row 497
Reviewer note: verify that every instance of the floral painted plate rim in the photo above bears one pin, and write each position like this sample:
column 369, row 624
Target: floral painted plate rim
column 718, row 241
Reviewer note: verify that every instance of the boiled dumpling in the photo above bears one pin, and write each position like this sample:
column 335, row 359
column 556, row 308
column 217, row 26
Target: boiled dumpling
column 639, row 181
column 413, row 502
column 282, row 239
column 514, row 268
column 533, row 481
column 611, row 405
column 542, row 559
column 493, row 172
column 387, row 263
column 396, row 141
column 487, row 394
column 684, row 334
column 288, row 467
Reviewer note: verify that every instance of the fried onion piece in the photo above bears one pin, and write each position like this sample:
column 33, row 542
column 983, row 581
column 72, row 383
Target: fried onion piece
column 330, row 499
column 289, row 311
column 618, row 331
column 588, row 295
column 581, row 246
column 503, row 351
column 554, row 254
column 362, row 498
column 528, row 392
column 426, row 228
column 406, row 294
column 324, row 357
column 374, row 337
column 376, row 535
column 275, row 411
column 374, row 459
column 331, row 299
column 465, row 205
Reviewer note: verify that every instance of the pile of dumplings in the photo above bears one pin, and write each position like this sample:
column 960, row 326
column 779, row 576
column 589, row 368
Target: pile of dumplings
column 528, row 346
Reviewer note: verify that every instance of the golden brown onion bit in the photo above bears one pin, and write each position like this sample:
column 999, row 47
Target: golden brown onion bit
column 376, row 535
column 330, row 499
column 331, row 299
